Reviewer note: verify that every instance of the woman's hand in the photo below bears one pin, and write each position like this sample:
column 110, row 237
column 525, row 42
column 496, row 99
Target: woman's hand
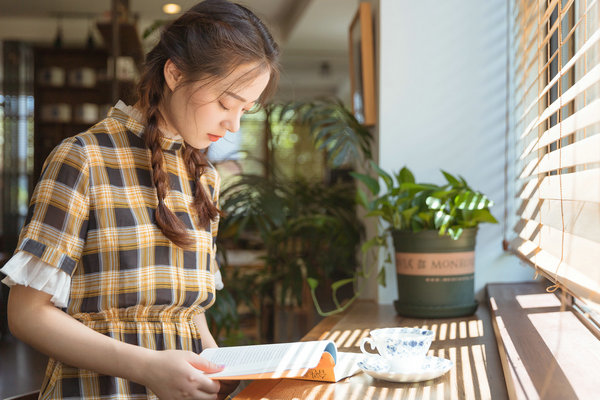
column 177, row 374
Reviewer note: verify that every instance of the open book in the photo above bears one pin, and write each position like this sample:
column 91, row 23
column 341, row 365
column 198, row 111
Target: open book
column 317, row 360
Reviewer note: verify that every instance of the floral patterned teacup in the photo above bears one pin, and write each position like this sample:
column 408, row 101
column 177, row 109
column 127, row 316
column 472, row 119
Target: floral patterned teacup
column 404, row 348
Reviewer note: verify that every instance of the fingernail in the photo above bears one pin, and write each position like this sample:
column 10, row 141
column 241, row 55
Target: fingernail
column 220, row 365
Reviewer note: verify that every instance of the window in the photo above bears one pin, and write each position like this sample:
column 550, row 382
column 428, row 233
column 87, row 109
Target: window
column 556, row 65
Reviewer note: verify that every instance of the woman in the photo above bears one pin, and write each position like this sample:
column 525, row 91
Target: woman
column 122, row 224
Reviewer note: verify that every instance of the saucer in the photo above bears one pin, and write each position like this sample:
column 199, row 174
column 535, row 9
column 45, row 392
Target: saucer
column 379, row 368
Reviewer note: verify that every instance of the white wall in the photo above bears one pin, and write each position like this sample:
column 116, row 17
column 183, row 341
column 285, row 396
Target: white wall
column 442, row 90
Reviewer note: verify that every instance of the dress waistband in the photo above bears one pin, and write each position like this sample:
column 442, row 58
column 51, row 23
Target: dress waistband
column 162, row 314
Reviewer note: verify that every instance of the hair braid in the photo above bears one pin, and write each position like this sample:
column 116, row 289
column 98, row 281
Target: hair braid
column 203, row 204
column 170, row 225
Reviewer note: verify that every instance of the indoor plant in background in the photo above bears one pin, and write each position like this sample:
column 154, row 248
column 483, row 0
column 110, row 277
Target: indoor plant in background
column 309, row 229
column 433, row 228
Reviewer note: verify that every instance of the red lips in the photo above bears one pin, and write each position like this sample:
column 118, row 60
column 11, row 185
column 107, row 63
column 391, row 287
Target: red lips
column 213, row 138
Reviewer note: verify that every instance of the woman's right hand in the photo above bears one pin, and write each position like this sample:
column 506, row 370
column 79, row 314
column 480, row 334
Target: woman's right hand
column 177, row 374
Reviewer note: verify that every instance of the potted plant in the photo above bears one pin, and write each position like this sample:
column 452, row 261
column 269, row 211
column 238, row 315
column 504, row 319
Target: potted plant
column 433, row 229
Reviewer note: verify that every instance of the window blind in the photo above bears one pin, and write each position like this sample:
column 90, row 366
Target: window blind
column 556, row 84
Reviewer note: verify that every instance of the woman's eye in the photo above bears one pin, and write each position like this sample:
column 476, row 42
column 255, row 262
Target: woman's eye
column 223, row 107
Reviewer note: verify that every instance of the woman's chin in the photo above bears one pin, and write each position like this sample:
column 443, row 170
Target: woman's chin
column 199, row 144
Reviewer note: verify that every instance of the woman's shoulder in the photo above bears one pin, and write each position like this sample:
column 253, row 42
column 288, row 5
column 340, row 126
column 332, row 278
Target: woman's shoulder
column 98, row 144
column 109, row 133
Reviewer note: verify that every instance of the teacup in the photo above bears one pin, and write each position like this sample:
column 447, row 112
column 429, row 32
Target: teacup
column 404, row 348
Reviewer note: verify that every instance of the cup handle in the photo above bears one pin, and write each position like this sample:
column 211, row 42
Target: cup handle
column 362, row 345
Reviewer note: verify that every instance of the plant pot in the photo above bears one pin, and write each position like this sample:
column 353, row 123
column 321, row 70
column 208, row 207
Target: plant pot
column 435, row 274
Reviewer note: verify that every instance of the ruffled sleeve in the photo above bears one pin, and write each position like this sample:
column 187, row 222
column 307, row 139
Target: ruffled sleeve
column 27, row 270
column 56, row 225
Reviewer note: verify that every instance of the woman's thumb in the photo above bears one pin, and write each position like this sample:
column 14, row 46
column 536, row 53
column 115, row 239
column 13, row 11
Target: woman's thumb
column 203, row 364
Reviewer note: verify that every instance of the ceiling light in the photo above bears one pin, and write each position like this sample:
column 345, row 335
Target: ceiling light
column 171, row 8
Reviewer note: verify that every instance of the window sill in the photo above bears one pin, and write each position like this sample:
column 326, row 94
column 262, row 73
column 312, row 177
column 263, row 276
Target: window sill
column 545, row 352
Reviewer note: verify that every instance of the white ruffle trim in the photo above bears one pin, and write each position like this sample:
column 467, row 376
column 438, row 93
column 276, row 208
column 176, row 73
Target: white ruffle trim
column 218, row 280
column 27, row 270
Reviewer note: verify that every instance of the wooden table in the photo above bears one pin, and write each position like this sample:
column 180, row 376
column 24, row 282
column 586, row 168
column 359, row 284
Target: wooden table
column 468, row 341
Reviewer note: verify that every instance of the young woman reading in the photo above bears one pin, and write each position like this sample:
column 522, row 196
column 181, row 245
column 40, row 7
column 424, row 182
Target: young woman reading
column 115, row 265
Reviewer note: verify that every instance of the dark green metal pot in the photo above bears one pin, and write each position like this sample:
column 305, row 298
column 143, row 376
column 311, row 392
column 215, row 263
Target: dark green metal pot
column 435, row 274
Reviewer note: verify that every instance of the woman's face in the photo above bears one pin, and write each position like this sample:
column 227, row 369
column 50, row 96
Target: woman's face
column 202, row 113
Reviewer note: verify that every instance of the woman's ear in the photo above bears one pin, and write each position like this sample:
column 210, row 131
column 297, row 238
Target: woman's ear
column 172, row 75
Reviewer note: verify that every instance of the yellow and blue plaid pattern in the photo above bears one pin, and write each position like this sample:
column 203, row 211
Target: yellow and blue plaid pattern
column 92, row 215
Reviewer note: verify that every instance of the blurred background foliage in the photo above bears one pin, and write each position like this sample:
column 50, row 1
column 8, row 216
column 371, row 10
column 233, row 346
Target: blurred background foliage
column 288, row 193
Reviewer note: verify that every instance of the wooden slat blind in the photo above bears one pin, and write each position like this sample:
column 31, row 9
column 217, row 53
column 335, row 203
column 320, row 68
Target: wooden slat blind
column 556, row 82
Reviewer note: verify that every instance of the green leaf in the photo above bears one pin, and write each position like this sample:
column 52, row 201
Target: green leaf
column 441, row 219
column 484, row 216
column 375, row 213
column 416, row 225
column 405, row 176
column 396, row 221
column 408, row 214
column 389, row 182
column 374, row 241
column 427, row 217
column 451, row 179
column 381, row 277
column 416, row 187
column 321, row 130
column 469, row 200
column 369, row 182
column 434, row 203
column 455, row 232
column 337, row 284
column 361, row 198
column 312, row 283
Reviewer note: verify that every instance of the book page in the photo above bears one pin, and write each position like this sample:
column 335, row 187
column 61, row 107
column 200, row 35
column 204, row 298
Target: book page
column 347, row 365
column 265, row 358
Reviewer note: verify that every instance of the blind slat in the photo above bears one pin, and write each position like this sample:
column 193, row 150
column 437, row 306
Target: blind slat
column 589, row 79
column 579, row 284
column 584, row 151
column 576, row 251
column 580, row 218
column 583, row 118
column 582, row 186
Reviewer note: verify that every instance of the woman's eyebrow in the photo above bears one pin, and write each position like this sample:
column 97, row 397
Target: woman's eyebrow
column 238, row 97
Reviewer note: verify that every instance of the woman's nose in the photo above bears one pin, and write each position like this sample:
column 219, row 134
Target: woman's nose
column 232, row 124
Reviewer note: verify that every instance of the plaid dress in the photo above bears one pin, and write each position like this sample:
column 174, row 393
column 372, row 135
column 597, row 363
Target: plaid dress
column 92, row 216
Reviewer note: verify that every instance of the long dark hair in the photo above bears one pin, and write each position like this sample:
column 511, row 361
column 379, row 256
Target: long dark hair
column 206, row 44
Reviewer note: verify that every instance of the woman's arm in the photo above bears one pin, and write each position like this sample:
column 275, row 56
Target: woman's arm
column 169, row 374
column 207, row 339
column 227, row 386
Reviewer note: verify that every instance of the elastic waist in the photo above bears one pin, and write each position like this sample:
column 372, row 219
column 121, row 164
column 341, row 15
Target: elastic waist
column 161, row 314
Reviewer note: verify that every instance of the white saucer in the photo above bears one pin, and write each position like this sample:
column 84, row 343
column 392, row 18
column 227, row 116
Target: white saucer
column 379, row 368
